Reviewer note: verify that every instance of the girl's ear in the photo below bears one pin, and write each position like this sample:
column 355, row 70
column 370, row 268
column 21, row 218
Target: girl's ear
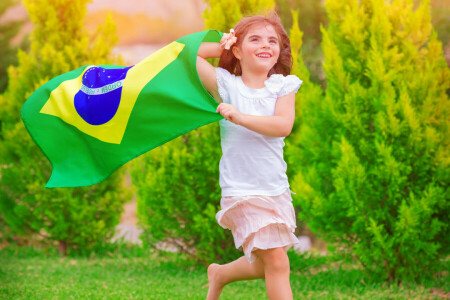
column 236, row 52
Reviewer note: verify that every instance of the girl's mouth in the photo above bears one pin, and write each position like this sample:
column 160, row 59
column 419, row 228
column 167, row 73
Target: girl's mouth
column 264, row 55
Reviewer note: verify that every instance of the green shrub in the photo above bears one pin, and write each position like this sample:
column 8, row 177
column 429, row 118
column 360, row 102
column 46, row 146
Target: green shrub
column 373, row 154
column 76, row 217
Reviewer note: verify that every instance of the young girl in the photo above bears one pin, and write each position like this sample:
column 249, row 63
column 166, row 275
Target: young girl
column 257, row 100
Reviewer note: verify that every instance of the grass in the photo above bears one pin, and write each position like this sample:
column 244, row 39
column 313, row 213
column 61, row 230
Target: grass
column 136, row 274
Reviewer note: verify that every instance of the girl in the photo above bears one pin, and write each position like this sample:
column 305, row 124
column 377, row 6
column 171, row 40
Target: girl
column 257, row 100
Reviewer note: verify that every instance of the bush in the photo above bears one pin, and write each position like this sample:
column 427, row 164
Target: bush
column 373, row 154
column 76, row 217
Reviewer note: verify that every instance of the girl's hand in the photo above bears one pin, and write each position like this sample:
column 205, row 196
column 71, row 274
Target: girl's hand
column 230, row 113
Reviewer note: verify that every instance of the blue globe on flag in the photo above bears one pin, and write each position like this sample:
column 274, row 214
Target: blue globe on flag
column 99, row 96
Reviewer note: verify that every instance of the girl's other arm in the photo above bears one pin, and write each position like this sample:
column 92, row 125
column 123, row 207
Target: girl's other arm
column 206, row 71
column 278, row 125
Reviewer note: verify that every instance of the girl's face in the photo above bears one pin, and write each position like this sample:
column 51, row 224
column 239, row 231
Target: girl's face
column 259, row 50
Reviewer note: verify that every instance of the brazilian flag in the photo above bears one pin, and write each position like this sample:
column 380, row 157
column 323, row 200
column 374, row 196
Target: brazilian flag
column 90, row 121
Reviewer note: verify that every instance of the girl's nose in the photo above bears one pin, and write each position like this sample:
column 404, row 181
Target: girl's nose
column 265, row 45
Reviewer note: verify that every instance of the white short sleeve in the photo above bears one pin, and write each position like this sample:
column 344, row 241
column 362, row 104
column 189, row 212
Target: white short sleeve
column 290, row 83
column 224, row 79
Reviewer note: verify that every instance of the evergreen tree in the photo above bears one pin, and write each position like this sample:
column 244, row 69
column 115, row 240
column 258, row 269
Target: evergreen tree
column 77, row 217
column 374, row 152
column 178, row 183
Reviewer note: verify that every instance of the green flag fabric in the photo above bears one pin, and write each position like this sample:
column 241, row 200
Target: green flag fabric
column 90, row 121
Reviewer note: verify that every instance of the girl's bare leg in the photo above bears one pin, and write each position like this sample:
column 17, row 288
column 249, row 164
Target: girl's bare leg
column 240, row 269
column 277, row 271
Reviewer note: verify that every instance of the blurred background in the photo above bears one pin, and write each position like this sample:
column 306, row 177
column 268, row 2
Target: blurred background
column 139, row 23
column 145, row 26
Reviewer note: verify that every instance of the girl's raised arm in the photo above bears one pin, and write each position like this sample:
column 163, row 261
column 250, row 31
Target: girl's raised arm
column 206, row 71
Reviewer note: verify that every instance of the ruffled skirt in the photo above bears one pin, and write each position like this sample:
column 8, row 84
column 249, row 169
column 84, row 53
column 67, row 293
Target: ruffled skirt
column 259, row 222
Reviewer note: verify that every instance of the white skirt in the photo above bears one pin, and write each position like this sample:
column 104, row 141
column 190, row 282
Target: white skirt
column 259, row 221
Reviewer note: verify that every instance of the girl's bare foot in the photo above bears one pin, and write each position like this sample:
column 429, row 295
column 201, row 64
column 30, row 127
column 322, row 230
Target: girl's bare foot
column 215, row 285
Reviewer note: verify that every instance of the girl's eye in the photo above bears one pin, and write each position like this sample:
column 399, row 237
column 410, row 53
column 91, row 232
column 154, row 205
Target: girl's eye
column 254, row 39
column 273, row 41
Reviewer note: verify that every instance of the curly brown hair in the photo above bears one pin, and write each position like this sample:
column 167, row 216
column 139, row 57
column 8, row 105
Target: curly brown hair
column 284, row 63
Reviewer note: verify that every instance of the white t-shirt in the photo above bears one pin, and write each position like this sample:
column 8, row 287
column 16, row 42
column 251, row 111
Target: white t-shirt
column 252, row 163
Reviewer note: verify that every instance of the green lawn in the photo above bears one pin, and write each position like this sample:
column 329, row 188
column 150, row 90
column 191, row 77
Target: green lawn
column 26, row 274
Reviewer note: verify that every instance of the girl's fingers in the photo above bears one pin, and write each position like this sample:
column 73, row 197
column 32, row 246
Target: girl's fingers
column 225, row 110
column 220, row 107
